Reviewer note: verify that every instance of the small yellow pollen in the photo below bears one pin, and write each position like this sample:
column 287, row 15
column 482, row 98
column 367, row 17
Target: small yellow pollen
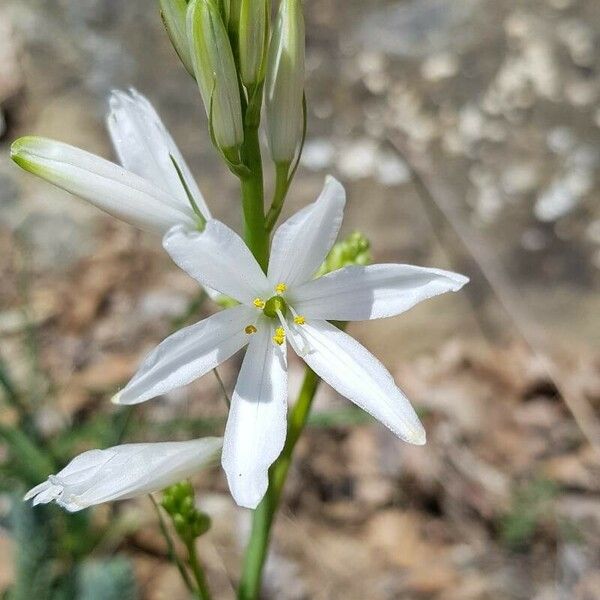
column 250, row 329
column 259, row 303
column 279, row 336
column 280, row 288
column 299, row 320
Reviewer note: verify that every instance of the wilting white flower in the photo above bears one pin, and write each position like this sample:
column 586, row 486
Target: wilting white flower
column 126, row 471
column 286, row 304
column 154, row 190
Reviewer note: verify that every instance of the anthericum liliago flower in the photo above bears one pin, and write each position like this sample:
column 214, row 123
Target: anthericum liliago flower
column 154, row 190
column 125, row 471
column 285, row 305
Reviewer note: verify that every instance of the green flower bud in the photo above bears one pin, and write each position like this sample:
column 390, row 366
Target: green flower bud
column 233, row 24
column 252, row 39
column 200, row 524
column 173, row 15
column 352, row 250
column 180, row 524
column 284, row 87
column 216, row 74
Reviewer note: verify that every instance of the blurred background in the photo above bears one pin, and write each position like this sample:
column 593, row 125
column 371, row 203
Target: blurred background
column 467, row 134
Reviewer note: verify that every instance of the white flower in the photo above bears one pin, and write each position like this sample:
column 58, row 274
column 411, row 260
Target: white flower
column 148, row 192
column 286, row 304
column 125, row 471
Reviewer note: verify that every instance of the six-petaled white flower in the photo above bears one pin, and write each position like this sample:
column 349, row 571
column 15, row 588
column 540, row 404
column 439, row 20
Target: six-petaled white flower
column 285, row 305
column 126, row 471
column 154, row 190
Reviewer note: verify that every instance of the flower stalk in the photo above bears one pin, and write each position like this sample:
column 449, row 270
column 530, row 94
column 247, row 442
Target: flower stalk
column 264, row 515
column 252, row 186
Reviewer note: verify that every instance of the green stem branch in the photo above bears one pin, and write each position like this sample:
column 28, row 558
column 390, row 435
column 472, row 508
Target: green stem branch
column 171, row 546
column 194, row 562
column 282, row 185
column 256, row 552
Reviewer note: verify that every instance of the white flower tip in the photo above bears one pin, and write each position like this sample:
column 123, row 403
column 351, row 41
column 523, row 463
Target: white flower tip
column 20, row 148
column 333, row 186
column 247, row 494
column 418, row 437
column 116, row 399
column 30, row 151
column 459, row 281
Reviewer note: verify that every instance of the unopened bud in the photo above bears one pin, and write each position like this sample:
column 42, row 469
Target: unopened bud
column 252, row 38
column 173, row 15
column 285, row 82
column 355, row 249
column 215, row 71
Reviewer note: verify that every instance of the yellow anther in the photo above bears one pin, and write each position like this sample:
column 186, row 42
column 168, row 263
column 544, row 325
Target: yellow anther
column 279, row 336
column 299, row 320
column 280, row 288
column 250, row 329
column 259, row 303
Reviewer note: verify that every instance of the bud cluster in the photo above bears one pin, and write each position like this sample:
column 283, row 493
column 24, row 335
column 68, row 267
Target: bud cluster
column 228, row 46
column 179, row 502
column 355, row 249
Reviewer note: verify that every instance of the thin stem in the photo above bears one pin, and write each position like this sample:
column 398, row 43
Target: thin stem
column 256, row 552
column 282, row 185
column 199, row 576
column 223, row 389
column 285, row 177
column 171, row 547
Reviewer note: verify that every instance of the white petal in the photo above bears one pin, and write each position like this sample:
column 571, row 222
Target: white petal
column 125, row 471
column 144, row 147
column 355, row 373
column 357, row 293
column 189, row 354
column 106, row 185
column 218, row 258
column 256, row 427
column 301, row 244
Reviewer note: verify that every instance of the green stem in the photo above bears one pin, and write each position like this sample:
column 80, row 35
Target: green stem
column 256, row 552
column 203, row 591
column 171, row 546
column 282, row 185
column 255, row 233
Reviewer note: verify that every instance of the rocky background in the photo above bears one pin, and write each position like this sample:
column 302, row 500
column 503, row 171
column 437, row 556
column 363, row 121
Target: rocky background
column 467, row 134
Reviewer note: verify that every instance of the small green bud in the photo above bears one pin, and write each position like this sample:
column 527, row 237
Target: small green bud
column 252, row 38
column 173, row 15
column 180, row 523
column 284, row 88
column 352, row 250
column 216, row 73
column 200, row 524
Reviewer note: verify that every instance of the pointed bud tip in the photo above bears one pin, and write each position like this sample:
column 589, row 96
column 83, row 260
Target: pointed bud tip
column 116, row 399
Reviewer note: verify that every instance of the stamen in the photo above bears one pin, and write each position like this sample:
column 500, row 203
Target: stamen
column 280, row 288
column 259, row 303
column 250, row 329
column 279, row 336
column 298, row 319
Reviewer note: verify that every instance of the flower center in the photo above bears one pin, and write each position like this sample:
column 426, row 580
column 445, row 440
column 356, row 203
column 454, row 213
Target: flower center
column 274, row 305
